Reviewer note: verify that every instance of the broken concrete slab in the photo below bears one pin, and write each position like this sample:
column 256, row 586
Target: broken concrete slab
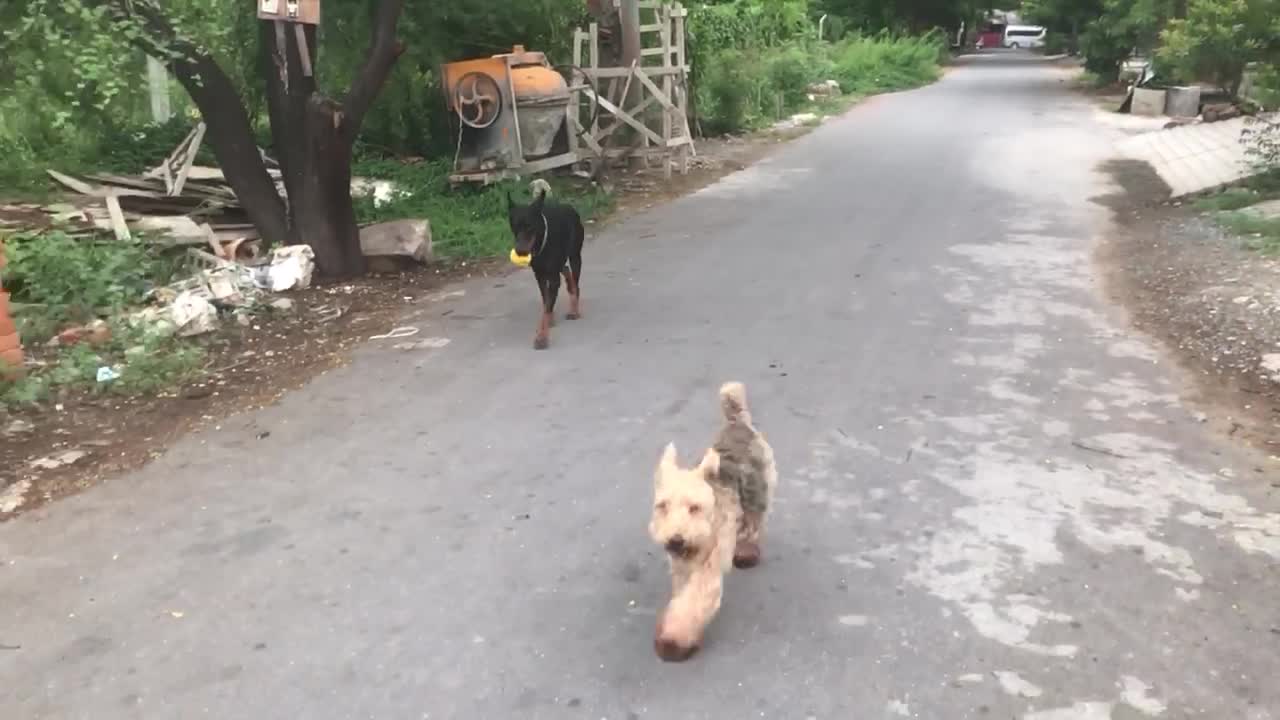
column 1194, row 158
column 390, row 246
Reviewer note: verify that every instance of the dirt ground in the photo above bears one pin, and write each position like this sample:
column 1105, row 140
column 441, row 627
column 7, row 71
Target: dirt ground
column 1213, row 303
column 250, row 367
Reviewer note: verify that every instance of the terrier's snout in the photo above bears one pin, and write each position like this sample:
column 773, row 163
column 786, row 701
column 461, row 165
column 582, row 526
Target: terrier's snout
column 675, row 544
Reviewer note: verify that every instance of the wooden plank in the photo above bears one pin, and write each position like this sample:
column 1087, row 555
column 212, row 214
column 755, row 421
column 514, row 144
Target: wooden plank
column 79, row 186
column 651, row 52
column 637, row 110
column 626, row 118
column 663, row 99
column 586, row 136
column 304, row 52
column 595, row 44
column 118, row 225
column 189, row 160
column 620, row 72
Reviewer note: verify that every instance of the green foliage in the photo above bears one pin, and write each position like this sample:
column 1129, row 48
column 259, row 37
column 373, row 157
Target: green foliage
column 1259, row 233
column 146, row 361
column 885, row 63
column 69, row 279
column 1219, row 38
column 1229, row 199
column 1261, row 139
column 754, row 59
column 1118, row 29
column 465, row 222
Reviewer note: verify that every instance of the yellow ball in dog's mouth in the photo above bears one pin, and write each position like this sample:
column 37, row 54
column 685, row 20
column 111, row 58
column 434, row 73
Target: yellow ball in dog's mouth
column 521, row 260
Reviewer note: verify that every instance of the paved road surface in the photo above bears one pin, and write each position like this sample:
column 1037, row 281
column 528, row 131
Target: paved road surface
column 993, row 503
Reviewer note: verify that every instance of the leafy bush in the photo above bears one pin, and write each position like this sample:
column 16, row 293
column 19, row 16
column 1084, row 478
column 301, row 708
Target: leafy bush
column 75, row 279
column 1261, row 139
column 145, row 360
column 790, row 73
column 466, row 222
column 726, row 95
column 1218, row 39
column 875, row 64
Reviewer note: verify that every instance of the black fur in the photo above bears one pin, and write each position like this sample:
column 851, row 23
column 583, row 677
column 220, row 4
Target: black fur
column 553, row 234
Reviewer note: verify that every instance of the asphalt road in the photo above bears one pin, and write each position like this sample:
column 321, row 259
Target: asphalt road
column 992, row 504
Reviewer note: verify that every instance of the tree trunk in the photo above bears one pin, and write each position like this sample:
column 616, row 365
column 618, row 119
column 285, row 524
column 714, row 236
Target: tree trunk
column 313, row 134
column 324, row 216
column 229, row 131
column 313, row 137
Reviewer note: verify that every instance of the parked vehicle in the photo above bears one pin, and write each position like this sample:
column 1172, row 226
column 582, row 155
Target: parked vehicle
column 1024, row 36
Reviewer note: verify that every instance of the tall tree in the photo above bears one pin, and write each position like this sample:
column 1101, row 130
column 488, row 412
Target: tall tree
column 312, row 132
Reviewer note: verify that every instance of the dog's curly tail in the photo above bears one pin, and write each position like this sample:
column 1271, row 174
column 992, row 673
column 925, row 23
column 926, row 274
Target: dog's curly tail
column 540, row 186
column 733, row 402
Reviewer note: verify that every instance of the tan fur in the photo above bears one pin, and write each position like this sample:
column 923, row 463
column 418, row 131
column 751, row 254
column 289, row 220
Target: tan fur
column 708, row 519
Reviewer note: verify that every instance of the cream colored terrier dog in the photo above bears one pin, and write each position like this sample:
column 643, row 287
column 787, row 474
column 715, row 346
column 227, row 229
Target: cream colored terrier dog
column 708, row 519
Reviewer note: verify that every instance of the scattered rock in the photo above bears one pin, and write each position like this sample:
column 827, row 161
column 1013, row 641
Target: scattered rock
column 391, row 246
column 826, row 88
column 193, row 315
column 281, row 305
column 62, row 459
column 1221, row 111
column 12, row 497
column 18, row 427
column 1271, row 364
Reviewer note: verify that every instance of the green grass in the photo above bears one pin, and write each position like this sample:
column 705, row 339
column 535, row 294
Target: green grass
column 1229, row 199
column 1256, row 189
column 1259, row 233
column 885, row 63
column 57, row 281
column 147, row 362
column 466, row 222
column 741, row 90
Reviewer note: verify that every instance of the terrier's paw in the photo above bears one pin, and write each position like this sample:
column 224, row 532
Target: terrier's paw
column 672, row 651
column 746, row 555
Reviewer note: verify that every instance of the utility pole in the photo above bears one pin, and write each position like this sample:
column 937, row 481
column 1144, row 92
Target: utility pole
column 158, row 84
column 629, row 26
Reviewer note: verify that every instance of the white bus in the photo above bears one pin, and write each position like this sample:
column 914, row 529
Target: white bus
column 1024, row 36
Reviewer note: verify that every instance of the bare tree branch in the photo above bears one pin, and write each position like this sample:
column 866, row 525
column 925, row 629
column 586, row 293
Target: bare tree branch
column 384, row 50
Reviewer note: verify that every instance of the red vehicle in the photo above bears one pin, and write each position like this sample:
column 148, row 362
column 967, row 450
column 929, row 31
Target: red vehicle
column 991, row 36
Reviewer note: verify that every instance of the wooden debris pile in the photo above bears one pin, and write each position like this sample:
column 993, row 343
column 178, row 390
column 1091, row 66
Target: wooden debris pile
column 177, row 203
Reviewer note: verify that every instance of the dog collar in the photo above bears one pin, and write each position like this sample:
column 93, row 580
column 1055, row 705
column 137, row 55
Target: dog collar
column 546, row 230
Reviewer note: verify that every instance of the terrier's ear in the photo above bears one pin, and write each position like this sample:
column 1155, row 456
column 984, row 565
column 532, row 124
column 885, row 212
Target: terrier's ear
column 539, row 202
column 510, row 203
column 710, row 465
column 666, row 464
column 668, row 461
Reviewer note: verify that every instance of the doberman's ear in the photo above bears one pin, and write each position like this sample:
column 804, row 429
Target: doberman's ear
column 539, row 202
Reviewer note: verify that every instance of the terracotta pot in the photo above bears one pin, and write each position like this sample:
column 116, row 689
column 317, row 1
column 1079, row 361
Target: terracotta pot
column 11, row 362
column 10, row 357
column 7, row 326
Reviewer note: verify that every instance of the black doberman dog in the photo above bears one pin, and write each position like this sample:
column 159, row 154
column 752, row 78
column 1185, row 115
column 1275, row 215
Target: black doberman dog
column 553, row 235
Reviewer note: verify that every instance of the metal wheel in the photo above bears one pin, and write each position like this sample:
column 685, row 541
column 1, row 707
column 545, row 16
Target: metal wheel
column 477, row 100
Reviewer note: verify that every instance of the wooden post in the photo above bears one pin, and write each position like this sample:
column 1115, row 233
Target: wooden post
column 682, row 101
column 664, row 19
column 632, row 48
